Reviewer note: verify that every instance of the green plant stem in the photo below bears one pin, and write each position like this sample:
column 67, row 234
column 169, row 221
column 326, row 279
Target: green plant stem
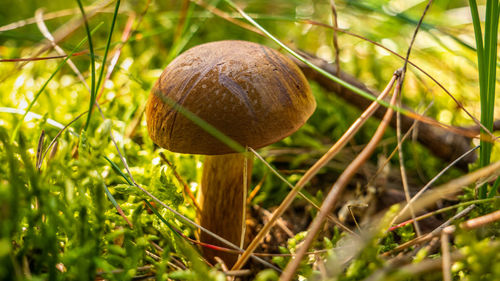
column 487, row 62
column 92, row 65
column 108, row 44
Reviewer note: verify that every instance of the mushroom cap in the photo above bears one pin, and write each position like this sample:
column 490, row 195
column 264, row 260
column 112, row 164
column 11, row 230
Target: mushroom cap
column 249, row 92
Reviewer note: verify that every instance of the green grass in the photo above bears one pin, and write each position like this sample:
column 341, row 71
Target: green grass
column 486, row 50
column 93, row 90
column 40, row 91
column 66, row 220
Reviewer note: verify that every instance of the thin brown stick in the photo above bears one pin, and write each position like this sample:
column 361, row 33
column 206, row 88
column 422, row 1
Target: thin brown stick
column 446, row 142
column 337, row 189
column 47, row 16
column 457, row 102
column 445, row 253
column 245, row 194
column 332, row 218
column 453, row 187
column 311, row 173
column 481, row 221
column 46, row 33
column 404, row 177
column 432, row 234
column 42, row 58
column 426, row 9
column 237, row 273
column 429, row 184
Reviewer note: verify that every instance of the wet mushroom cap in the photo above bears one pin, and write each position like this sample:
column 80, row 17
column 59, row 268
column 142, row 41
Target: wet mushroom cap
column 251, row 93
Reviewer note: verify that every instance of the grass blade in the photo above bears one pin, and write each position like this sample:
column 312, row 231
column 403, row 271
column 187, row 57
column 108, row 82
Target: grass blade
column 487, row 63
column 115, row 13
column 92, row 64
column 37, row 95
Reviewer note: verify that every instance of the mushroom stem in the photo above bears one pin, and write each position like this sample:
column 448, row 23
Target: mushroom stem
column 221, row 200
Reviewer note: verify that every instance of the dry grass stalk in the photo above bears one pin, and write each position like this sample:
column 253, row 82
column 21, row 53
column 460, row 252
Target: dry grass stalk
column 310, row 174
column 337, row 189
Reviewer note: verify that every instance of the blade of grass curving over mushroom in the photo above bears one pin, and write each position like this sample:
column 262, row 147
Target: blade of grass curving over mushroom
column 233, row 20
column 346, row 84
column 308, row 63
column 203, row 124
column 486, row 59
column 37, row 95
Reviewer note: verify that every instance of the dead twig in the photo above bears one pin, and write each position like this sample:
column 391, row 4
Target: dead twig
column 446, row 143
column 429, row 184
column 481, row 221
column 337, row 189
column 404, row 177
column 432, row 234
column 332, row 218
column 445, row 254
column 312, row 172
column 453, row 187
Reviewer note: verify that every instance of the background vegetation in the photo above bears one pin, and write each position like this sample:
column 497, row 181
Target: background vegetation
column 70, row 209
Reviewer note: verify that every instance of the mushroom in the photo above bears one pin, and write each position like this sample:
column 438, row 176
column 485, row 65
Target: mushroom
column 249, row 92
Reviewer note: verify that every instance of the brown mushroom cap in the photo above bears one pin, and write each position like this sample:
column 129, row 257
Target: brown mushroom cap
column 251, row 93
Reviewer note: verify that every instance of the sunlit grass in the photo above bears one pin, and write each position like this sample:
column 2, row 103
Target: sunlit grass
column 486, row 50
column 61, row 221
